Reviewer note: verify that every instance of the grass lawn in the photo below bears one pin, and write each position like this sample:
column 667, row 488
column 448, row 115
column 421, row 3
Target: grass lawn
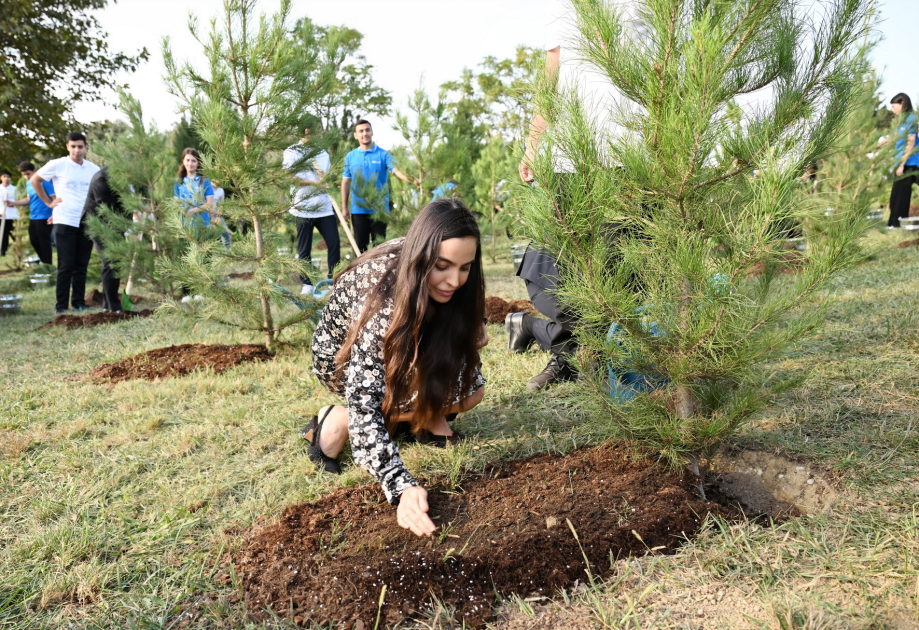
column 119, row 502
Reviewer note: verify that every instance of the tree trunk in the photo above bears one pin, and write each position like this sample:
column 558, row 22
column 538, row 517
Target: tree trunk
column 685, row 400
column 267, row 322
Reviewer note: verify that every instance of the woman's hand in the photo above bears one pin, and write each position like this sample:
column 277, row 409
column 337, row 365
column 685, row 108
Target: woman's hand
column 482, row 341
column 899, row 170
column 413, row 511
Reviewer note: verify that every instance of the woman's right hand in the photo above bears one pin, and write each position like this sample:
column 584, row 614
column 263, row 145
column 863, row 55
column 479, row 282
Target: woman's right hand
column 413, row 511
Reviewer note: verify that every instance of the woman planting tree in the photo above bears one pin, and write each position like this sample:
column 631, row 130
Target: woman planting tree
column 907, row 160
column 194, row 190
column 400, row 339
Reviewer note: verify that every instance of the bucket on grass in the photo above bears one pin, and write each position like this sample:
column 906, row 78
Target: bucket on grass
column 798, row 243
column 317, row 263
column 10, row 304
column 909, row 223
column 517, row 252
column 40, row 280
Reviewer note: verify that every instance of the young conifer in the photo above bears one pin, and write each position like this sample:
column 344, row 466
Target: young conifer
column 493, row 172
column 657, row 229
column 249, row 105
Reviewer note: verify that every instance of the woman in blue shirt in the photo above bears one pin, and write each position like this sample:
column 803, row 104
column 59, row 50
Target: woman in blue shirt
column 907, row 161
column 194, row 191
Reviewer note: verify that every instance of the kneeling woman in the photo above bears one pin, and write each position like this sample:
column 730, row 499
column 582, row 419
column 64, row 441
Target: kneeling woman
column 400, row 339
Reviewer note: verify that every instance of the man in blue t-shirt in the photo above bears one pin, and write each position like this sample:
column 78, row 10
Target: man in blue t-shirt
column 40, row 226
column 365, row 178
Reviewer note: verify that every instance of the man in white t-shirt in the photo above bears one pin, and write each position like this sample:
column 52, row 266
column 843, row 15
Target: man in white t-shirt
column 71, row 177
column 312, row 207
column 602, row 102
column 8, row 212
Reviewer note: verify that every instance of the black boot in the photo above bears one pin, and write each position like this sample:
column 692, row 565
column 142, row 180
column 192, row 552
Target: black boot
column 519, row 332
column 556, row 371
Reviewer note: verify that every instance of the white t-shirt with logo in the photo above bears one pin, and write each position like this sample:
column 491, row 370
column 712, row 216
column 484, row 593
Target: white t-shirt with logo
column 8, row 193
column 597, row 95
column 306, row 203
column 71, row 184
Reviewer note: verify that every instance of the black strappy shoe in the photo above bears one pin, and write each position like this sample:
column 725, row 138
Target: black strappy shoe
column 310, row 433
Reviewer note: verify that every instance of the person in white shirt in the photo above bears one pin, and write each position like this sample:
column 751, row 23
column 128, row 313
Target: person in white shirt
column 71, row 177
column 8, row 212
column 312, row 208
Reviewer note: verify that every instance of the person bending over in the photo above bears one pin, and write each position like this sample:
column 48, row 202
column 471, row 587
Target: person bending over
column 399, row 339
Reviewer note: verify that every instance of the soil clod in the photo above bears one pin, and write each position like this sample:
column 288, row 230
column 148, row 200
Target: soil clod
column 178, row 361
column 496, row 309
column 503, row 531
column 94, row 319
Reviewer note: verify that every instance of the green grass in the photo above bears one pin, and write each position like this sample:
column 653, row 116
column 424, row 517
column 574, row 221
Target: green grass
column 119, row 503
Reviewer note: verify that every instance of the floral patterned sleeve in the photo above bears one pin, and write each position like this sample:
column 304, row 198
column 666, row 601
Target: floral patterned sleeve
column 371, row 445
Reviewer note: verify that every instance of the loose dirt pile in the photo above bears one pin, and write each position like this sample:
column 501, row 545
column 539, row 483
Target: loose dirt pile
column 910, row 243
column 242, row 275
column 790, row 262
column 504, row 531
column 496, row 309
column 94, row 297
column 177, row 361
column 94, row 319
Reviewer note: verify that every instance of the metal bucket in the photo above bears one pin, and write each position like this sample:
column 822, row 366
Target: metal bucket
column 799, row 243
column 910, row 223
column 317, row 263
column 517, row 252
column 31, row 261
column 10, row 304
column 40, row 280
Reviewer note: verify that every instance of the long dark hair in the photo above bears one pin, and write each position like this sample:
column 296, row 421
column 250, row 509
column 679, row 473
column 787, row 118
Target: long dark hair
column 903, row 100
column 182, row 172
column 424, row 352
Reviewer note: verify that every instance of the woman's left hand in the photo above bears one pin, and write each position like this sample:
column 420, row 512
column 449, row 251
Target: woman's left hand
column 482, row 341
column 899, row 170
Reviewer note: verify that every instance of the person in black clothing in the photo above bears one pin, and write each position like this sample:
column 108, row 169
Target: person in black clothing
column 101, row 193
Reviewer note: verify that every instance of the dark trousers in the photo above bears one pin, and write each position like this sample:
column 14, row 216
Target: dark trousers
column 111, row 284
column 366, row 226
column 74, row 249
column 901, row 194
column 5, row 236
column 556, row 335
column 328, row 229
column 40, row 238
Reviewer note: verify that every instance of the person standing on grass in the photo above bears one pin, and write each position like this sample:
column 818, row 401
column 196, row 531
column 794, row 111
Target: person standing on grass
column 40, row 225
column 399, row 340
column 371, row 165
column 539, row 269
column 312, row 210
column 8, row 211
column 101, row 193
column 196, row 197
column 71, row 177
column 907, row 160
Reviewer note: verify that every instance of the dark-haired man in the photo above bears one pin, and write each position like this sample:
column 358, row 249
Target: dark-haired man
column 370, row 165
column 39, row 214
column 71, row 176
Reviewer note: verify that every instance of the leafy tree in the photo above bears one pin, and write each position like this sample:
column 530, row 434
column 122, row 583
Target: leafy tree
column 251, row 104
column 493, row 171
column 44, row 45
column 657, row 229
column 140, row 166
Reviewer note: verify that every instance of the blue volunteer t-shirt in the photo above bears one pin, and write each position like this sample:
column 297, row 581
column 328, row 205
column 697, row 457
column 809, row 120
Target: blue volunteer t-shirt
column 373, row 167
column 443, row 191
column 907, row 128
column 194, row 192
column 38, row 209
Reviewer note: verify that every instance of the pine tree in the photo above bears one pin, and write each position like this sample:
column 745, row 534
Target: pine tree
column 493, row 171
column 656, row 230
column 250, row 105
column 141, row 168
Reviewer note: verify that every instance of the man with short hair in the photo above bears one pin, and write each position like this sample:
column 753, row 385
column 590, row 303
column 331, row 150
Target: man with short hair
column 39, row 215
column 311, row 207
column 369, row 165
column 8, row 211
column 71, row 176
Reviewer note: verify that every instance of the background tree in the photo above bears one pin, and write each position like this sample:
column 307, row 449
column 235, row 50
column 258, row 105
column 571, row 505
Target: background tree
column 493, row 172
column 141, row 168
column 658, row 229
column 251, row 104
column 44, row 45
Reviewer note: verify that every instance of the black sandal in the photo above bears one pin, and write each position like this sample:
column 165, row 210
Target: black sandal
column 441, row 441
column 310, row 433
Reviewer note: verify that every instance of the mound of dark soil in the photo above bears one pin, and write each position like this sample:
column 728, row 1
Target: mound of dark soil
column 94, row 319
column 177, row 361
column 504, row 531
column 243, row 275
column 910, row 243
column 94, row 297
column 496, row 309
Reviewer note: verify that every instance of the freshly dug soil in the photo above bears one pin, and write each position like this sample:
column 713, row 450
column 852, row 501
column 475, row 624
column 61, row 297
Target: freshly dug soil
column 791, row 262
column 243, row 275
column 177, row 361
column 910, row 243
column 94, row 297
column 94, row 319
column 496, row 309
column 502, row 531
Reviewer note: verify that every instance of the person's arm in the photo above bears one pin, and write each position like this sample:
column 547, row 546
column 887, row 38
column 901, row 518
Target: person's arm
column 405, row 178
column 345, row 196
column 907, row 152
column 538, row 125
column 36, row 182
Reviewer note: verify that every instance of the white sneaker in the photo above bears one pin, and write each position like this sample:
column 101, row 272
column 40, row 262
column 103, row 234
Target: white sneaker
column 197, row 298
column 307, row 289
column 186, row 299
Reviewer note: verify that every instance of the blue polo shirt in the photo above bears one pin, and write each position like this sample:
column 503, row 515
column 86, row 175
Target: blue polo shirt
column 38, row 210
column 194, row 192
column 443, row 191
column 905, row 129
column 373, row 166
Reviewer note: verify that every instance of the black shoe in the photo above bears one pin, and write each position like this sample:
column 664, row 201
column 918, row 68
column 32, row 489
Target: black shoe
column 440, row 441
column 519, row 335
column 60, row 311
column 556, row 371
column 310, row 433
